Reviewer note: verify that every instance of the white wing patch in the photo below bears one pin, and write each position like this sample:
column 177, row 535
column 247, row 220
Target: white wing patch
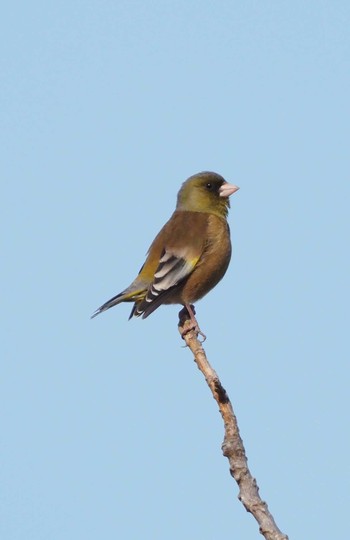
column 171, row 270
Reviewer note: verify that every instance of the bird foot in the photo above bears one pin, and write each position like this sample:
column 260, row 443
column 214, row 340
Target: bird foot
column 198, row 331
column 186, row 316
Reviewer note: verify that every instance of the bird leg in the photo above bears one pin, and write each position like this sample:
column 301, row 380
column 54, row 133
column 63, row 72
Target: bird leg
column 189, row 310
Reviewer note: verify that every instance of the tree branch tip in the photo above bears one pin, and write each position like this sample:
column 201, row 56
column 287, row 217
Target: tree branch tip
column 184, row 316
column 232, row 446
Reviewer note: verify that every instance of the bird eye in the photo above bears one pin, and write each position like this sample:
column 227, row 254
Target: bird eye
column 209, row 185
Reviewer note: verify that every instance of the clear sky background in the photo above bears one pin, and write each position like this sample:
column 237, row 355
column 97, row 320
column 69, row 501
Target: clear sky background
column 107, row 427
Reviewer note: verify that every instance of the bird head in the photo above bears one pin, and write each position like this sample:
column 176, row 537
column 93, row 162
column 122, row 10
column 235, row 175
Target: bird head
column 205, row 192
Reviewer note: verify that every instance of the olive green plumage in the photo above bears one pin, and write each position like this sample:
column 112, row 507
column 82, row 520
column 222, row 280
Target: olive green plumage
column 190, row 254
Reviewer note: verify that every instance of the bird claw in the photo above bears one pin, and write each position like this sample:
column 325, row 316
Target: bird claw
column 197, row 330
column 187, row 315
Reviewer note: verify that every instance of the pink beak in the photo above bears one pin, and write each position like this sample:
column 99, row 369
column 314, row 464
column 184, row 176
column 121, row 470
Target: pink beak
column 227, row 189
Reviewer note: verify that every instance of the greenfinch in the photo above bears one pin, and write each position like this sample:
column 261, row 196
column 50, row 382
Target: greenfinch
column 190, row 254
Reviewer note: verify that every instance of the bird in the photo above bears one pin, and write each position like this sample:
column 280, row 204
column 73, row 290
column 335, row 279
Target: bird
column 189, row 255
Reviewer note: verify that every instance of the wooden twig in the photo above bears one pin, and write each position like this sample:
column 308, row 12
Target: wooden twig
column 232, row 446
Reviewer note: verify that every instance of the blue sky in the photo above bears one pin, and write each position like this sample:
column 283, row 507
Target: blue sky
column 107, row 428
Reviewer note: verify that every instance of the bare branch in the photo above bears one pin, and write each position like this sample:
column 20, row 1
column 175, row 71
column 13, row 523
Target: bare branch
column 232, row 446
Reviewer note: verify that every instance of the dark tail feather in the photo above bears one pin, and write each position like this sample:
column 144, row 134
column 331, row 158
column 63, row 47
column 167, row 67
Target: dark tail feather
column 133, row 311
column 145, row 308
column 112, row 302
